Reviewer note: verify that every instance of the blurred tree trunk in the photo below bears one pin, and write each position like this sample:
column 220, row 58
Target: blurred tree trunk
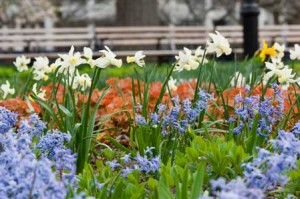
column 137, row 13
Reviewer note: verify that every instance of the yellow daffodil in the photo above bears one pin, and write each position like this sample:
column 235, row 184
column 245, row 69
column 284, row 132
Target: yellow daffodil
column 267, row 51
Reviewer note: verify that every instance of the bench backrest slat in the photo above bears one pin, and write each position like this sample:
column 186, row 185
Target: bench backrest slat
column 161, row 38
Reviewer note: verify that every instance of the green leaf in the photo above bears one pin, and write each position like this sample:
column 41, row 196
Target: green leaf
column 164, row 192
column 65, row 110
column 152, row 184
column 198, row 181
column 184, row 185
column 120, row 146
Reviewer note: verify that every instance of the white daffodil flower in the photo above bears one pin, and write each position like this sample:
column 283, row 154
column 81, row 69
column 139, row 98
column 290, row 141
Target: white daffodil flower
column 277, row 62
column 41, row 94
column 70, row 61
column 237, row 80
column 22, row 63
column 172, row 84
column 40, row 75
column 280, row 50
column 274, row 70
column 109, row 58
column 138, row 58
column 219, row 45
column 6, row 89
column 286, row 77
column 41, row 68
column 41, row 63
column 295, row 54
column 84, row 81
column 55, row 65
column 199, row 53
column 187, row 61
column 88, row 55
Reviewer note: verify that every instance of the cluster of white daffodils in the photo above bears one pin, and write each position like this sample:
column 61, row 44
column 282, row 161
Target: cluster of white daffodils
column 67, row 63
column 6, row 90
column 276, row 68
column 186, row 60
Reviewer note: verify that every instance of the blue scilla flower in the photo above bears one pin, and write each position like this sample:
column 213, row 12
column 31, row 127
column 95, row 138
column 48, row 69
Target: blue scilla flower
column 176, row 100
column 238, row 130
column 187, row 106
column 65, row 165
column 50, row 141
column 8, row 120
column 113, row 164
column 155, row 118
column 242, row 113
column 235, row 189
column 190, row 112
column 296, row 128
column 126, row 172
column 146, row 164
column 34, row 126
column 126, row 158
column 140, row 120
column 287, row 143
column 204, row 97
column 161, row 108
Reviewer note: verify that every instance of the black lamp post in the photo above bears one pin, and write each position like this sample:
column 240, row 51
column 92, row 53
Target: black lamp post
column 250, row 12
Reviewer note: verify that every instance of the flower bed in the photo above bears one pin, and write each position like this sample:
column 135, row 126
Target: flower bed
column 64, row 137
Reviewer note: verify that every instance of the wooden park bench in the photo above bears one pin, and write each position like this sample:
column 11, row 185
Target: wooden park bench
column 155, row 41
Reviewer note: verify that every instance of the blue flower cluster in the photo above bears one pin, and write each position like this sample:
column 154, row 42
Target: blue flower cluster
column 181, row 115
column 235, row 189
column 23, row 174
column 8, row 120
column 147, row 163
column 269, row 169
column 34, row 126
column 265, row 172
column 50, row 141
column 269, row 113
